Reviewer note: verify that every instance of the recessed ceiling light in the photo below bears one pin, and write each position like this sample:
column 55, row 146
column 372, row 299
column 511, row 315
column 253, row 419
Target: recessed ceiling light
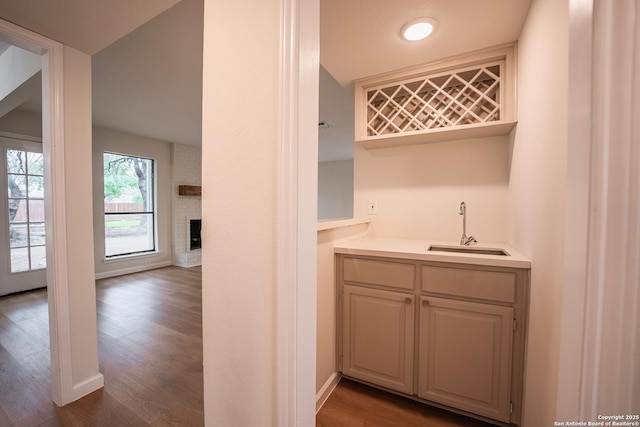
column 418, row 29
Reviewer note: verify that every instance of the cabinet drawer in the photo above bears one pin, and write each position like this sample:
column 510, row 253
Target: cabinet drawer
column 487, row 285
column 396, row 275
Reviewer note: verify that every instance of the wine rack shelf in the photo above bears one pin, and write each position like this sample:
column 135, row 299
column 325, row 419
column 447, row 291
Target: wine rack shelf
column 437, row 103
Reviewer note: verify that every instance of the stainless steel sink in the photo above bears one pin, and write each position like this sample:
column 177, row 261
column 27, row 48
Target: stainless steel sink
column 468, row 250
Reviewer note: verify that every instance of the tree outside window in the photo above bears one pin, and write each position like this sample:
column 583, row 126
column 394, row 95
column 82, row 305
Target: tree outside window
column 129, row 208
column 25, row 182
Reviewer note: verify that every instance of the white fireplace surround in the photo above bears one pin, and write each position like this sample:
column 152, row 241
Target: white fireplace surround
column 185, row 170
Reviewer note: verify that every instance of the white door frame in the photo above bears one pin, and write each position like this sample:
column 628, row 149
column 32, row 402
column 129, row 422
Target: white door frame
column 297, row 213
column 55, row 222
column 598, row 372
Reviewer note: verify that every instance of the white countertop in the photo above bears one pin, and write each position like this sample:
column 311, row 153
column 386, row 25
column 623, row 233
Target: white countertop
column 418, row 250
column 339, row 223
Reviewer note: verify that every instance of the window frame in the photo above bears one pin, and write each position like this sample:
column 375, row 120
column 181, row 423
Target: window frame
column 152, row 213
column 27, row 198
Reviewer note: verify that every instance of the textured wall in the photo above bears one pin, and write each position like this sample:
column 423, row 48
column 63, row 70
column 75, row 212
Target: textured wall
column 419, row 189
column 239, row 146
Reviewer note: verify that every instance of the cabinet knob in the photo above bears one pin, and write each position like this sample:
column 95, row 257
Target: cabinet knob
column 407, row 300
column 425, row 303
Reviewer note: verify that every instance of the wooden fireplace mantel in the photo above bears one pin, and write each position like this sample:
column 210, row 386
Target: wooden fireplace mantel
column 189, row 190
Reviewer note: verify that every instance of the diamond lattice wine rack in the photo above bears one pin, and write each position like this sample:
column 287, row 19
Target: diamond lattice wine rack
column 445, row 101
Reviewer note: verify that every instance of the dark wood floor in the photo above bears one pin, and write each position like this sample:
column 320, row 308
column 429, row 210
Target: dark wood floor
column 354, row 404
column 150, row 344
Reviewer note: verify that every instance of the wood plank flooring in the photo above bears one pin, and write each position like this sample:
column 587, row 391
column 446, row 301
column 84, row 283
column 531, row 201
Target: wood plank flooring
column 150, row 345
column 355, row 404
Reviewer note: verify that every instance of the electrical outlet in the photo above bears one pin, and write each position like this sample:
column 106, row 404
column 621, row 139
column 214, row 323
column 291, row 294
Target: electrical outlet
column 373, row 207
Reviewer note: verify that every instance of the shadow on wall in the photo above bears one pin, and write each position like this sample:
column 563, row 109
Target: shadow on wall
column 335, row 150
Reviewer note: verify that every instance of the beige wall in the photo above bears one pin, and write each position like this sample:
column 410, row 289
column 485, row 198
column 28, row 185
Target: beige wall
column 77, row 155
column 160, row 151
column 326, row 323
column 419, row 189
column 22, row 122
column 537, row 193
column 239, row 148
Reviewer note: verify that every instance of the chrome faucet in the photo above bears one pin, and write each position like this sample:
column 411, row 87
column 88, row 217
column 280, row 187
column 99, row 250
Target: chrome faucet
column 464, row 240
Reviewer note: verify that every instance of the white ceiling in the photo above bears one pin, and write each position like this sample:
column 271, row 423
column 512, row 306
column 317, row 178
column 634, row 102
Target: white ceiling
column 361, row 38
column 149, row 82
column 86, row 25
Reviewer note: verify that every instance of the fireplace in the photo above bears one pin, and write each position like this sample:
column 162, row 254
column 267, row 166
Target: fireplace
column 195, row 239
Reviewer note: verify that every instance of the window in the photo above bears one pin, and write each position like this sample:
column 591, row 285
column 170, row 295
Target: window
column 129, row 207
column 25, row 184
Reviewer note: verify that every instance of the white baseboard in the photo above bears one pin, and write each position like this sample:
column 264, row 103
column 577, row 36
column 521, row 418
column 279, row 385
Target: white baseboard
column 88, row 386
column 130, row 270
column 327, row 389
column 187, row 264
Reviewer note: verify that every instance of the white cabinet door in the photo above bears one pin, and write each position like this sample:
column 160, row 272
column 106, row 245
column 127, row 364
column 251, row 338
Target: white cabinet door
column 465, row 355
column 378, row 337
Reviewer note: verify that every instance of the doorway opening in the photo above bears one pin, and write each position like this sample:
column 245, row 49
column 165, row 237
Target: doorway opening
column 50, row 57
